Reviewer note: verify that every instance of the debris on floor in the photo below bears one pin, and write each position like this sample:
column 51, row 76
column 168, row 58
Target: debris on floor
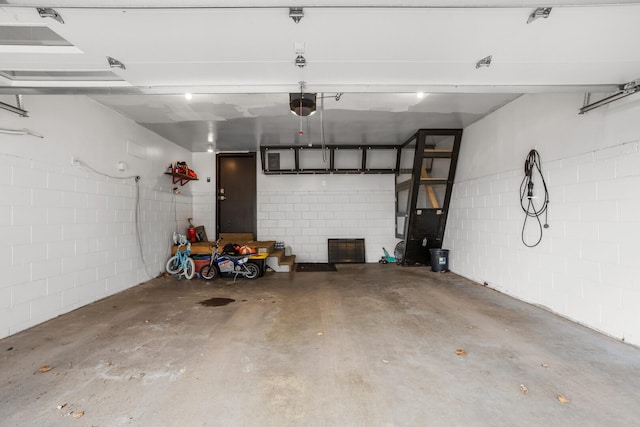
column 460, row 352
column 320, row 333
column 563, row 399
column 385, row 361
column 45, row 368
column 545, row 365
column 61, row 406
column 77, row 414
column 524, row 389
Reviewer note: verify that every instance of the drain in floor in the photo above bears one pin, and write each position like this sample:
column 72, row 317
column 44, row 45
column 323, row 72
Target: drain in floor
column 216, row 302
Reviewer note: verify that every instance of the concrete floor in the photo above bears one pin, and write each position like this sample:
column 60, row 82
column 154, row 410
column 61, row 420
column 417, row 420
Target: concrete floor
column 369, row 345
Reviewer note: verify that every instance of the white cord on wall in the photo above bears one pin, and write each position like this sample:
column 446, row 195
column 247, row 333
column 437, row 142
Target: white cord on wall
column 20, row 132
column 137, row 214
column 88, row 166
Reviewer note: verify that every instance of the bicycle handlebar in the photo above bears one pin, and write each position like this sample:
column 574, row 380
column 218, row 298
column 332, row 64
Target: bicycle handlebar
column 217, row 243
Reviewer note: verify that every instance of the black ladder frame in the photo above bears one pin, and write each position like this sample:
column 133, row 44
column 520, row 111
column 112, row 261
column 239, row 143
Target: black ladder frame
column 424, row 228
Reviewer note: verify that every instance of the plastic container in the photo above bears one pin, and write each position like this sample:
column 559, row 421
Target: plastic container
column 199, row 263
column 439, row 259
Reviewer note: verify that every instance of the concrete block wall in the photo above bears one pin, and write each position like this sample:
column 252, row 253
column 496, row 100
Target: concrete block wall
column 69, row 234
column 585, row 267
column 306, row 210
column 204, row 193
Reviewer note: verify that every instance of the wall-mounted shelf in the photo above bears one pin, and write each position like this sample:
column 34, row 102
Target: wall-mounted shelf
column 180, row 177
column 332, row 159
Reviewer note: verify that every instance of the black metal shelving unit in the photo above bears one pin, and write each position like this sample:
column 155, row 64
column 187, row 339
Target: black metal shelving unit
column 426, row 171
column 363, row 159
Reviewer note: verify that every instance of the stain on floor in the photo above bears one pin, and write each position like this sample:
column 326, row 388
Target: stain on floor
column 216, row 302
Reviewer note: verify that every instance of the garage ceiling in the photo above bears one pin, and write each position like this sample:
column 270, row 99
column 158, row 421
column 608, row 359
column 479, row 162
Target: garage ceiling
column 237, row 59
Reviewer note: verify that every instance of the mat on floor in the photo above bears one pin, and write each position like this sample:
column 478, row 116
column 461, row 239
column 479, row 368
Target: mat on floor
column 311, row 266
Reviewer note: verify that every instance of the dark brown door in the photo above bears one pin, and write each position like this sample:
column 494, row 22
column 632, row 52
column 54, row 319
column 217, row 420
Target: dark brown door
column 236, row 186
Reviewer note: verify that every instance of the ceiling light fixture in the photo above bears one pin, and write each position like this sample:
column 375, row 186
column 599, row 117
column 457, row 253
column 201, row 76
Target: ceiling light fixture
column 47, row 12
column 296, row 13
column 541, row 12
column 420, row 95
column 302, row 104
column 210, row 148
column 210, row 137
column 484, row 62
column 188, row 96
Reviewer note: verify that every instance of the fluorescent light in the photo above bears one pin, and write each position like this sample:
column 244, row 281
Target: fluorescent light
column 210, row 137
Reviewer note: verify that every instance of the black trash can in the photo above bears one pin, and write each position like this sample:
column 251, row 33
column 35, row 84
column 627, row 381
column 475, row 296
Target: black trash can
column 439, row 259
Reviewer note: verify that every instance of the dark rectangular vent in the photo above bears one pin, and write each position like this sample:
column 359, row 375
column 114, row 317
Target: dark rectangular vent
column 346, row 251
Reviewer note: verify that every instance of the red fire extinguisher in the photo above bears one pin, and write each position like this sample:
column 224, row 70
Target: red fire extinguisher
column 191, row 232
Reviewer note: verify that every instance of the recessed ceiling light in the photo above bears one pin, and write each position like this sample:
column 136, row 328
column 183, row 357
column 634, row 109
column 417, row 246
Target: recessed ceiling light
column 188, row 96
column 420, row 95
column 210, row 148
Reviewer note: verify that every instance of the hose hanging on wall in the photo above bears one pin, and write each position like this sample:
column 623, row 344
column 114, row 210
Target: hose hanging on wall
column 532, row 164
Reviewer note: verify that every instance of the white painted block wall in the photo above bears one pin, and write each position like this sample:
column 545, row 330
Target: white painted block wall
column 204, row 193
column 305, row 210
column 586, row 267
column 69, row 233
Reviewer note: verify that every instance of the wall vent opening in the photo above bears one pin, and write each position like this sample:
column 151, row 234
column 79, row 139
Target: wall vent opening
column 346, row 251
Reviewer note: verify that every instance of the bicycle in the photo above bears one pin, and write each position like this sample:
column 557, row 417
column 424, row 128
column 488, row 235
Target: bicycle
column 181, row 263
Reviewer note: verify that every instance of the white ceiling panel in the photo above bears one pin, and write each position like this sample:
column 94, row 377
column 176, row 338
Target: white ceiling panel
column 316, row 3
column 238, row 60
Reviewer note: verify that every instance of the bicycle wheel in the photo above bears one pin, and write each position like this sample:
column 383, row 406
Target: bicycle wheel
column 173, row 265
column 398, row 252
column 209, row 272
column 252, row 270
column 189, row 268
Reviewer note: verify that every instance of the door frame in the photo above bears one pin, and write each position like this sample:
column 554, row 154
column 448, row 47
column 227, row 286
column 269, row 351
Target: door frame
column 220, row 156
